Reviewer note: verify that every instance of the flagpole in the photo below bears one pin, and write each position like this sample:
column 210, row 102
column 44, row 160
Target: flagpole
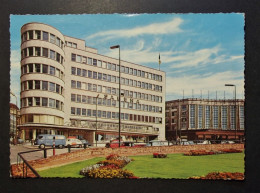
column 159, row 61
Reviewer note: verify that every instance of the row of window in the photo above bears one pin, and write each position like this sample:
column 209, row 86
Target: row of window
column 114, row 91
column 115, row 79
column 42, row 68
column 114, row 103
column 71, row 44
column 42, row 35
column 42, row 102
column 114, row 67
column 46, row 119
column 43, row 52
column 114, row 115
column 41, row 85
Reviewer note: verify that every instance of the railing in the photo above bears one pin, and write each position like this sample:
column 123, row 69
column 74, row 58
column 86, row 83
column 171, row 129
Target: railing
column 26, row 164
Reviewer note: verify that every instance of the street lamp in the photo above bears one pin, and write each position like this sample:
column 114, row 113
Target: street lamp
column 15, row 132
column 234, row 109
column 96, row 119
column 119, row 124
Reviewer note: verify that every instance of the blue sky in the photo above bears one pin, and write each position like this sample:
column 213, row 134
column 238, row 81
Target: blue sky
column 200, row 53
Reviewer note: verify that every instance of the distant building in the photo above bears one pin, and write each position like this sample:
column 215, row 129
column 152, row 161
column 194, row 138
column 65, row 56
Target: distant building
column 66, row 87
column 14, row 120
column 195, row 119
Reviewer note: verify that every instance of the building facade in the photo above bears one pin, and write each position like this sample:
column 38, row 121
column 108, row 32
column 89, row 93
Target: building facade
column 68, row 88
column 195, row 119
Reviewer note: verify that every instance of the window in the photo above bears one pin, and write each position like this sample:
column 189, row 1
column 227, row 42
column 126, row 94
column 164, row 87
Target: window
column 73, row 84
column 78, row 58
column 99, row 76
column 90, row 61
column 37, row 68
column 207, row 117
column 30, row 50
column 89, row 86
column 84, row 112
column 89, row 112
column 104, row 65
column 30, row 33
column 79, row 98
column 108, row 66
column 57, row 57
column 73, row 57
column 99, row 88
column 78, row 71
column 94, row 87
column 84, row 60
column 57, row 104
column 84, row 99
column 30, row 84
column 192, row 116
column 241, row 117
column 52, row 54
column 30, row 67
column 72, row 110
column 224, row 117
column 52, row 38
column 215, row 117
column 78, row 84
column 84, row 73
column 51, row 86
column 44, row 85
column 37, row 51
column 37, row 84
column 58, row 88
column 104, row 77
column 38, row 34
column 94, row 62
column 52, row 103
column 52, row 70
column 45, row 52
column 74, row 45
column 37, row 101
column 73, row 70
column 113, row 67
column 95, row 75
column 232, row 117
column 44, row 102
column 200, row 115
column 135, row 72
column 73, row 97
column 30, row 99
column 90, row 74
column 99, row 63
column 78, row 111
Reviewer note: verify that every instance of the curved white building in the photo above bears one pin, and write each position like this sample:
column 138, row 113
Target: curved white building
column 66, row 88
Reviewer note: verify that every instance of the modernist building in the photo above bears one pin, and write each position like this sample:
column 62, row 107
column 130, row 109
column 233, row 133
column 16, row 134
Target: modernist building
column 14, row 118
column 195, row 119
column 67, row 87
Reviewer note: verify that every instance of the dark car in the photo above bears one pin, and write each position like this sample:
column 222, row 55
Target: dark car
column 85, row 142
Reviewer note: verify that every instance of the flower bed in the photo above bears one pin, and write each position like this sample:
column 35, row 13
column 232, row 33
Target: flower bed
column 109, row 168
column 211, row 152
column 159, row 155
column 221, row 176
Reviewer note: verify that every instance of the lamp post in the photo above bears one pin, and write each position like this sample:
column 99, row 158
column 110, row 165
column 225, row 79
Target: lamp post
column 119, row 119
column 96, row 119
column 234, row 109
column 15, row 134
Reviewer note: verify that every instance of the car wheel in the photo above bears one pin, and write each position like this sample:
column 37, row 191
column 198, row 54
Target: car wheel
column 80, row 146
column 42, row 146
column 60, row 146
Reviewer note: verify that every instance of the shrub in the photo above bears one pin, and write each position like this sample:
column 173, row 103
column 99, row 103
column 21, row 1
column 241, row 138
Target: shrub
column 118, row 163
column 106, row 172
column 221, row 176
column 159, row 155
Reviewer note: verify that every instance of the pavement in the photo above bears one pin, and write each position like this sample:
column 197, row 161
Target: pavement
column 15, row 149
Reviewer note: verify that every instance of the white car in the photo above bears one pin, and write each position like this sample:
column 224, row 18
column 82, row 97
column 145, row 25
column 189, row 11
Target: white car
column 74, row 142
column 204, row 142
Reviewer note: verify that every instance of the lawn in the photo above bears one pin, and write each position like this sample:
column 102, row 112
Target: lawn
column 174, row 166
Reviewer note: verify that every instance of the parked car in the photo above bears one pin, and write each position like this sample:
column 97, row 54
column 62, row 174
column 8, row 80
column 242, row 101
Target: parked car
column 158, row 143
column 84, row 141
column 204, row 142
column 47, row 140
column 115, row 144
column 227, row 142
column 73, row 142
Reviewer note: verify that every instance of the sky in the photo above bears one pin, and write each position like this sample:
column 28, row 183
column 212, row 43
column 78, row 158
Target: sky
column 200, row 53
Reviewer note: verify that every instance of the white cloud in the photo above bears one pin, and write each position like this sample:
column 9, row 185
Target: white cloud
column 170, row 27
column 211, row 82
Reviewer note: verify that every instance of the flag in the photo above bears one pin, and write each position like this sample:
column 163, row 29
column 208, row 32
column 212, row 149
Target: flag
column 159, row 59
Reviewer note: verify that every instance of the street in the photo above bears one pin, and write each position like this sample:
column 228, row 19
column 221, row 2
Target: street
column 15, row 149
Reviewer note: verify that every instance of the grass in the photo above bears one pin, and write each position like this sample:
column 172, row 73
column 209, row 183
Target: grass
column 179, row 166
column 174, row 166
column 70, row 170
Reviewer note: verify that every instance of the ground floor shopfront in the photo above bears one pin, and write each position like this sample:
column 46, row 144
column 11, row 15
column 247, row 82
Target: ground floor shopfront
column 100, row 137
column 207, row 134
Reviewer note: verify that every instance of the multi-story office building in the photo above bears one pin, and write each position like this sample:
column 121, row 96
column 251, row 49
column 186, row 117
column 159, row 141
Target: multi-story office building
column 67, row 87
column 14, row 117
column 195, row 119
